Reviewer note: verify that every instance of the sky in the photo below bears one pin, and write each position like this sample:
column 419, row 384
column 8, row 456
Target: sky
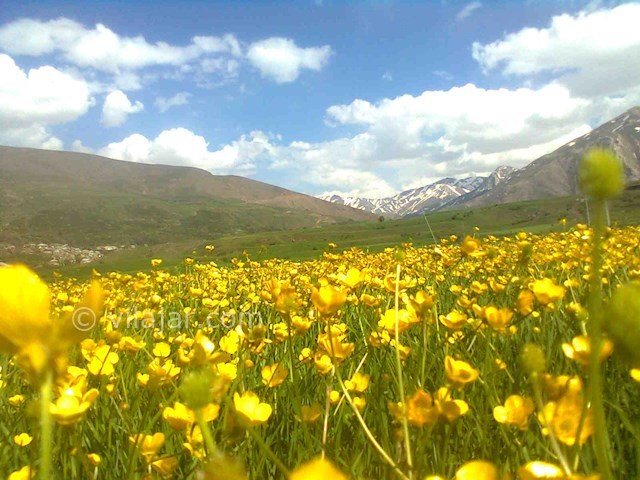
column 353, row 98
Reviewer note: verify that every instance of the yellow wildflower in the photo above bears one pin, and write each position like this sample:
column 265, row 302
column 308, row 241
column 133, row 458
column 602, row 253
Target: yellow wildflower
column 250, row 409
column 319, row 469
column 516, row 411
column 459, row 372
column 477, row 470
column 274, row 375
column 328, row 299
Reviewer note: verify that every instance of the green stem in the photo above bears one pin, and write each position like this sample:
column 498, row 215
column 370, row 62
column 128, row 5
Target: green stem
column 268, row 452
column 206, row 433
column 595, row 323
column 45, row 427
column 405, row 422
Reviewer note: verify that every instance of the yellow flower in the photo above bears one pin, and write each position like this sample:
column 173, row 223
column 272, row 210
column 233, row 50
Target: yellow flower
column 359, row 382
column 25, row 473
column 165, row 466
column 310, row 413
column 102, row 360
column 274, row 375
column 322, row 362
column 580, row 349
column 525, row 302
column 421, row 304
column 498, row 319
column 162, row 350
column 516, row 411
column 406, row 318
column 459, row 372
column 635, row 374
column 156, row 262
column 70, row 408
column 420, row 409
column 181, row 417
column 23, row 439
column 319, row 469
column 546, row 291
column 470, row 245
column 540, row 471
column 16, row 400
column 449, row 409
column 26, row 327
column 563, row 417
column 360, row 403
column 148, row 445
column 352, row 279
column 454, row 320
column 94, row 459
column 477, row 470
column 328, row 299
column 250, row 409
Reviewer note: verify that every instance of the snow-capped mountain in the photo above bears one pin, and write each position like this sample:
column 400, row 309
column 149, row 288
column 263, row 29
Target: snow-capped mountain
column 424, row 199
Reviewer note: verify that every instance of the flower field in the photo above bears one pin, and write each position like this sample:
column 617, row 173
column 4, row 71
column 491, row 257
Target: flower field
column 401, row 364
column 476, row 358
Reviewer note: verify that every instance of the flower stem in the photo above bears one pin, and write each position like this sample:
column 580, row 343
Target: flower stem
column 268, row 452
column 405, row 423
column 595, row 332
column 45, row 428
column 206, row 433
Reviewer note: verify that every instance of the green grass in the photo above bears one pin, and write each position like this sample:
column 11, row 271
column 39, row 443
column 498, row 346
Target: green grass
column 537, row 216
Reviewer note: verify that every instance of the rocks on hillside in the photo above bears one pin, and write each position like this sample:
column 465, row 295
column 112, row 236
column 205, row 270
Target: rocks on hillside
column 60, row 254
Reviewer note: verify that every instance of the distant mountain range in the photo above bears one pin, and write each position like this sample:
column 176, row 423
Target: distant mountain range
column 425, row 199
column 552, row 175
column 87, row 200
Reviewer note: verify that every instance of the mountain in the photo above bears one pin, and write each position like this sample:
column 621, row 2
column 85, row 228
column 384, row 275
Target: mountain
column 87, row 200
column 554, row 174
column 427, row 198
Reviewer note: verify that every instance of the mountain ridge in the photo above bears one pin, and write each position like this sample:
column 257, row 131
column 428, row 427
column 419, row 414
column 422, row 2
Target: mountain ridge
column 551, row 175
column 427, row 198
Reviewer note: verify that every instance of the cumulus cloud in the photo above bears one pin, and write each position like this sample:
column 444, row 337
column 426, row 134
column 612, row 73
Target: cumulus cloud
column 124, row 57
column 282, row 60
column 595, row 52
column 117, row 107
column 163, row 104
column 180, row 146
column 101, row 48
column 32, row 101
column 467, row 10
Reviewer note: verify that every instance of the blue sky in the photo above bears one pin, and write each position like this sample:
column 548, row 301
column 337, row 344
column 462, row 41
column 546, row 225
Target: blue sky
column 358, row 98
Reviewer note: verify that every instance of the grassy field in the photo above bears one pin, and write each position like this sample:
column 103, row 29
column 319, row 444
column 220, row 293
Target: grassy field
column 538, row 216
column 469, row 360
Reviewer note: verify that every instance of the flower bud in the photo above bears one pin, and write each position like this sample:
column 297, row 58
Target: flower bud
column 532, row 358
column 622, row 322
column 600, row 174
column 196, row 389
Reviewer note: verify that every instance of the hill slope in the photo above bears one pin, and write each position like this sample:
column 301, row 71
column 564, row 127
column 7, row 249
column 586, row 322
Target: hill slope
column 554, row 174
column 87, row 200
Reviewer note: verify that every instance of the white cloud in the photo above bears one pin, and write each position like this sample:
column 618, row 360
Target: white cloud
column 387, row 76
column 163, row 104
column 282, row 60
column 101, row 48
column 593, row 52
column 117, row 107
column 34, row 100
column 180, row 146
column 467, row 10
column 78, row 146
